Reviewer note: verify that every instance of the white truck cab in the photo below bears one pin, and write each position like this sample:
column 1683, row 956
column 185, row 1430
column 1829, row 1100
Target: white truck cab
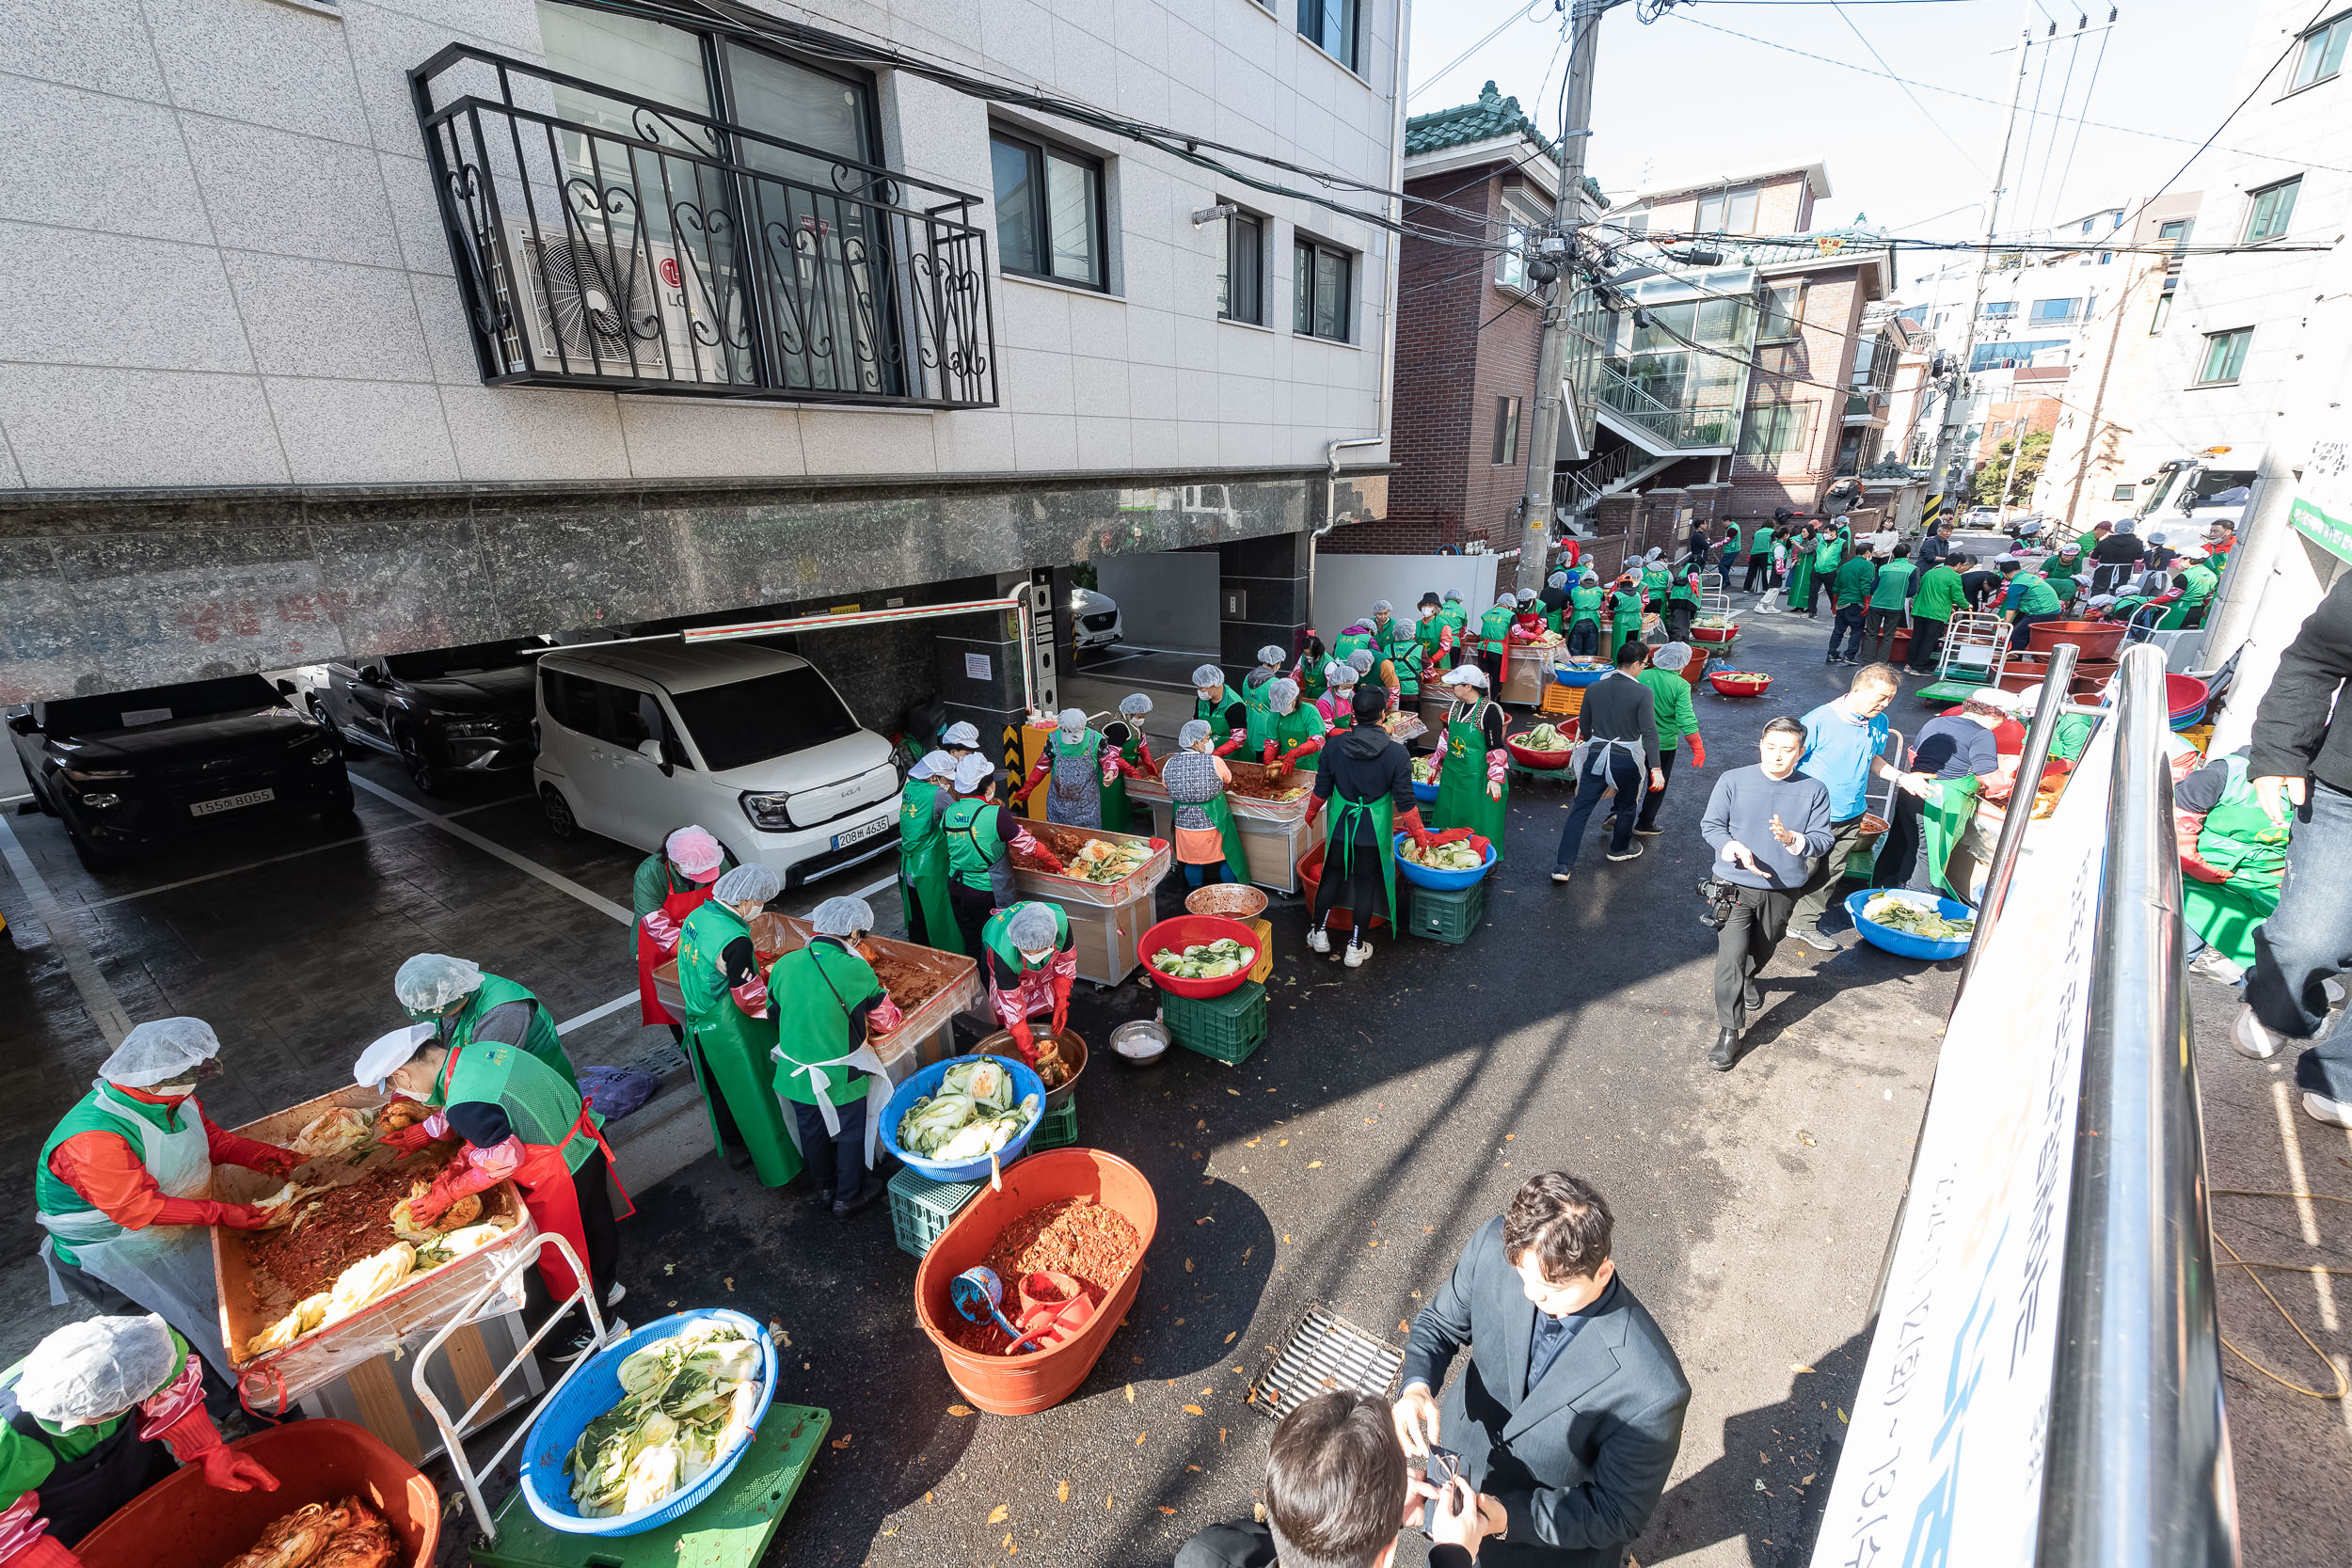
column 2186, row 494
column 639, row 739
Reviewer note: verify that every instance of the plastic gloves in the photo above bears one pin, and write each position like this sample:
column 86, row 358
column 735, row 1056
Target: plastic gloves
column 1023, row 1041
column 407, row 1140
column 1414, row 828
column 271, row 1161
column 457, row 1179
column 41, row 1551
column 1698, row 751
column 192, row 1439
column 1231, row 747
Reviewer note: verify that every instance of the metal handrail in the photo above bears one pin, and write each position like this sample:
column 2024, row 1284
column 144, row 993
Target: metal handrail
column 2137, row 1473
column 2028, row 785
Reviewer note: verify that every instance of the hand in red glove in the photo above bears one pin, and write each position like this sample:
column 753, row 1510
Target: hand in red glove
column 2190, row 866
column 1062, row 1001
column 242, row 1217
column 457, row 1179
column 192, row 1438
column 273, row 1161
column 407, row 1140
column 1479, row 845
column 1229, row 747
column 43, row 1551
column 1023, row 1040
column 1314, row 807
column 1267, row 753
column 1698, row 751
column 1415, row 828
column 1053, row 862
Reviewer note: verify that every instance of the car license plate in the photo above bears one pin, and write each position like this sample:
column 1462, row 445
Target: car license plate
column 856, row 835
column 231, row 802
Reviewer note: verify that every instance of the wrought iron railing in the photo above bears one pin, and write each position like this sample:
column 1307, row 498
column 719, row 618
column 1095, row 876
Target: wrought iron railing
column 604, row 240
column 1574, row 490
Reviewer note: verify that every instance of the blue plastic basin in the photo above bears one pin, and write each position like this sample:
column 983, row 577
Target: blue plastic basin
column 597, row 1389
column 926, row 1081
column 1565, row 674
column 1902, row 943
column 1420, row 876
column 1425, row 793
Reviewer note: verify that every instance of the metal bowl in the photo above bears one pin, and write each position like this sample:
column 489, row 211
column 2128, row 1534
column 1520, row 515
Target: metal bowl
column 1233, row 900
column 1142, row 1043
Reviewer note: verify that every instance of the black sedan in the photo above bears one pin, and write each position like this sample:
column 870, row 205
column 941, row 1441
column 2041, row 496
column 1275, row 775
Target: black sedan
column 135, row 769
column 445, row 712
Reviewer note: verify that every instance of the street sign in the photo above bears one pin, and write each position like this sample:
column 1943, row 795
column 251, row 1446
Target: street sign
column 2322, row 509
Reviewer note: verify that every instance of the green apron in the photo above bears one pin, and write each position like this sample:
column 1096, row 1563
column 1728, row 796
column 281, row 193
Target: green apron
column 1454, row 615
column 541, row 1108
column 1212, row 714
column 1349, row 640
column 730, row 1058
column 1404, row 651
column 1220, row 814
column 1429, row 637
column 1494, row 629
column 1117, row 812
column 1625, row 622
column 1943, row 824
column 1583, row 604
column 1656, row 581
column 1302, row 722
column 540, row 1039
column 996, row 936
column 1261, row 723
column 972, row 849
column 1311, row 682
column 922, row 869
column 1462, row 800
column 1340, row 846
column 811, row 993
column 1801, row 578
column 2239, row 840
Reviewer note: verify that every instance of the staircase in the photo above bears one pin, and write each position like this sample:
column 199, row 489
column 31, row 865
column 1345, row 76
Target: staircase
column 1616, row 469
column 1661, row 427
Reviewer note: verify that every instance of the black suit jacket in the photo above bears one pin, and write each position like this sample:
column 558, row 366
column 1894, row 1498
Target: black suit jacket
column 1578, row 1461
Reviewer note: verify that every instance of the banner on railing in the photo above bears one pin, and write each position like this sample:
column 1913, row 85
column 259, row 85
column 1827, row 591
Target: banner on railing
column 1944, row 1454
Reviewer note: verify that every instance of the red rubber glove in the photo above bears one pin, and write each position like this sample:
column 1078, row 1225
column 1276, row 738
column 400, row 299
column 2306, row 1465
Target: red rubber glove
column 1061, row 1003
column 457, row 1179
column 1415, row 828
column 1314, row 807
column 273, row 1161
column 194, row 1439
column 2198, row 869
column 240, row 1216
column 1052, row 861
column 1479, row 845
column 1024, row 1041
column 407, row 1140
column 1267, row 753
column 43, row 1551
column 1698, row 751
column 1158, row 843
column 1229, row 747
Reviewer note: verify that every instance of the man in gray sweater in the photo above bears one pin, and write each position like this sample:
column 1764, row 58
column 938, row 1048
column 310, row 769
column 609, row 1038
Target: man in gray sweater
column 1764, row 824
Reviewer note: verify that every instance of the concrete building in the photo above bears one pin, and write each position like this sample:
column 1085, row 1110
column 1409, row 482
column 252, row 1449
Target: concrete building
column 343, row 328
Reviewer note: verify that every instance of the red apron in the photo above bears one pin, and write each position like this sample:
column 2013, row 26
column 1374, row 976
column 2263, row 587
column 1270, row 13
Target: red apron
column 676, row 909
column 545, row 1183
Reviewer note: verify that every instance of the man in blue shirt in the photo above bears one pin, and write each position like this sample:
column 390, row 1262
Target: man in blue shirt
column 1843, row 739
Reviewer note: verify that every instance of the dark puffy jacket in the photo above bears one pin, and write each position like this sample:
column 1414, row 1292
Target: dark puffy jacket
column 1363, row 765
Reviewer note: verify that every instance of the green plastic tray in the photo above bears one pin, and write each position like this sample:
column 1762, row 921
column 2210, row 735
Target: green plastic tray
column 730, row 1528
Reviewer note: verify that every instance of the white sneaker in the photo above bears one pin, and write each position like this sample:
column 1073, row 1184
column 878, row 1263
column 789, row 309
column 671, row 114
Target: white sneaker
column 613, row 1297
column 2212, row 966
column 2335, row 1113
column 1318, row 940
column 1358, row 955
column 2252, row 1040
column 2335, row 988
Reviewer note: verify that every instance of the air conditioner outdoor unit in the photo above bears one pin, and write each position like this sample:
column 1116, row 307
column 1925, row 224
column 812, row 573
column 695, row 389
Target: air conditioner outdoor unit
column 587, row 304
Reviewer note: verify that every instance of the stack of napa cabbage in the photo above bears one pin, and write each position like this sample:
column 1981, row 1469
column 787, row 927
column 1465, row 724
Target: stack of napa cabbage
column 685, row 1402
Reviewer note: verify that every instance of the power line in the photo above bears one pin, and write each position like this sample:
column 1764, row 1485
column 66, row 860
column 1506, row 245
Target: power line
column 2098, row 60
column 1526, row 14
column 2041, row 181
column 1970, row 158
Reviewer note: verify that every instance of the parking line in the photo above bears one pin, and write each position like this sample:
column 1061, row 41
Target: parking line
column 595, row 1013
column 98, row 998
column 530, row 867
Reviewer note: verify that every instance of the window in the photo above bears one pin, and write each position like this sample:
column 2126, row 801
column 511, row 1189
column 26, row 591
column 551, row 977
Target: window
column 1991, row 356
column 1784, row 312
column 1511, row 268
column 2269, row 211
column 2056, row 309
column 1330, row 26
column 744, row 722
column 1996, row 309
column 1775, row 428
column 1241, row 269
column 1321, row 282
column 1049, row 211
column 2225, row 356
column 2164, row 313
column 2175, row 234
column 2124, row 492
column 1507, row 430
column 1727, row 213
column 2323, row 51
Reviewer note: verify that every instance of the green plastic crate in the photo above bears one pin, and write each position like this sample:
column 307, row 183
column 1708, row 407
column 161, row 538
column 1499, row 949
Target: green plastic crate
column 1055, row 1128
column 1224, row 1028
column 1448, row 914
column 921, row 1209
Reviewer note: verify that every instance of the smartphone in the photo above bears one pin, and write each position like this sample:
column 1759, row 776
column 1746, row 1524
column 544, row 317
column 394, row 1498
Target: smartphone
column 1443, row 1467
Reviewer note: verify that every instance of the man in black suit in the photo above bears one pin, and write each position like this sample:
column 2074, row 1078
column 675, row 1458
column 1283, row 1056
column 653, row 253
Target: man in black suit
column 1569, row 1414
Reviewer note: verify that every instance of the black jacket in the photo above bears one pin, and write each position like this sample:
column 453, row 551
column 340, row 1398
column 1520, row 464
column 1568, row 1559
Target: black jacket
column 1363, row 765
column 2118, row 547
column 1578, row 1461
column 1618, row 707
column 2292, row 736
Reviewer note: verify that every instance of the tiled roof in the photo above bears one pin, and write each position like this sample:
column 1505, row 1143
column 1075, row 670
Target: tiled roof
column 1493, row 116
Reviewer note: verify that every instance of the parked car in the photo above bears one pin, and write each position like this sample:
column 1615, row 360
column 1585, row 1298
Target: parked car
column 1093, row 619
column 443, row 713
column 135, row 769
column 640, row 739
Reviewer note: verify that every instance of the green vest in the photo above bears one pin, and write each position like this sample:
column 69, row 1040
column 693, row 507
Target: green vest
column 1427, row 634
column 1625, row 609
column 1656, row 581
column 1494, row 628
column 923, row 864
column 811, row 993
column 1453, row 614
column 540, row 1106
column 1212, row 714
column 2034, row 596
column 1854, row 581
column 2239, row 838
column 101, row 1110
column 1684, row 592
column 1584, row 604
column 1349, row 640
column 1302, row 722
column 995, row 938
column 2197, row 584
column 973, row 847
column 26, row 1463
column 1402, row 649
column 1731, row 540
column 1261, row 724
column 731, row 1061
column 540, row 1039
column 702, row 942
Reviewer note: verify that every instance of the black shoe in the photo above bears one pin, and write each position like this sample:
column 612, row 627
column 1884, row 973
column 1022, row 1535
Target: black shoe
column 1726, row 1050
column 564, row 1351
column 824, row 1197
column 1649, row 830
column 1751, row 999
column 867, row 1191
column 1630, row 852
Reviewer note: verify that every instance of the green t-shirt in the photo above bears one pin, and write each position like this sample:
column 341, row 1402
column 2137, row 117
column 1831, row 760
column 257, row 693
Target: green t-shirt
column 2030, row 595
column 1939, row 594
column 1855, row 581
column 1892, row 586
column 1677, row 716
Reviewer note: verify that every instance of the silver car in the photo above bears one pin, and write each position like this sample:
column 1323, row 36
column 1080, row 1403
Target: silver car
column 1093, row 618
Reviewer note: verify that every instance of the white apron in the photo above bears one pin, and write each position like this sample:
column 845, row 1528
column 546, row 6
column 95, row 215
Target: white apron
column 1598, row 751
column 166, row 1269
column 878, row 1092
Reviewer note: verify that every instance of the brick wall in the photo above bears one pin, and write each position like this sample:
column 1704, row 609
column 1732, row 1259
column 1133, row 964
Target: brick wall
column 1821, row 353
column 2000, row 423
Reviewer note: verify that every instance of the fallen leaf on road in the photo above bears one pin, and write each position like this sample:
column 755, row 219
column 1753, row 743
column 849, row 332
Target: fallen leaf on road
column 730, row 1282
column 1798, row 1366
column 1131, row 1390
column 1165, row 1509
column 1229, row 1338
column 1061, row 1493
column 1403, row 1327
column 958, row 1410
column 842, row 1441
column 1220, row 1434
column 1189, row 1265
column 1194, row 1410
column 1107, row 1499
column 998, row 1514
column 1841, row 1415
column 1235, row 1093
column 1286, row 1238
column 1140, row 1438
column 1314, row 1165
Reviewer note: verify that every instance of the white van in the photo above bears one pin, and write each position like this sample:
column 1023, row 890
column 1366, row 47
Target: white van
column 638, row 739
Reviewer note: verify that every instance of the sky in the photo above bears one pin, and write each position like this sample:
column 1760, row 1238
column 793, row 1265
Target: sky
column 1675, row 100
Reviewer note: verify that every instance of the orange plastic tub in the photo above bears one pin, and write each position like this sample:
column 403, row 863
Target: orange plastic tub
column 182, row 1522
column 1034, row 1381
column 1311, row 877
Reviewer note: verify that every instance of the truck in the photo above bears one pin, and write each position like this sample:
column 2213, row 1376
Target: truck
column 2185, row 495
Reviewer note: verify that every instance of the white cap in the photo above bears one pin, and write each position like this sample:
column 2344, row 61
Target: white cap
column 95, row 1369
column 972, row 772
column 2008, row 702
column 1467, row 675
column 387, row 1054
column 934, row 765
column 160, row 1051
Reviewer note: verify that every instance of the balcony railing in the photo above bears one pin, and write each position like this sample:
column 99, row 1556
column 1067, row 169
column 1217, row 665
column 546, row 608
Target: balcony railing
column 644, row 246
column 1673, row 425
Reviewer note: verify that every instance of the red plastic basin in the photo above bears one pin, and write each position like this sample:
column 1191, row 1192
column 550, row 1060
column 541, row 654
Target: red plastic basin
column 1527, row 756
column 1033, row 1380
column 182, row 1522
column 2185, row 694
column 1713, row 634
column 2096, row 639
column 1186, row 930
column 1311, row 877
column 1740, row 683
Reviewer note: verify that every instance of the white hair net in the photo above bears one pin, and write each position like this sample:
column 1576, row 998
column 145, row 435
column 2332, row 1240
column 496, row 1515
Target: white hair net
column 935, row 764
column 972, row 772
column 89, row 1371
column 960, row 735
column 1655, row 553
column 2155, row 539
column 1282, row 694
column 1382, row 607
column 692, row 850
column 1206, row 676
column 431, row 981
column 1031, row 928
column 747, row 884
column 842, row 917
column 1453, row 596
column 1674, row 656
column 1527, row 596
column 1362, row 659
column 1340, row 672
column 1557, row 579
column 1272, row 655
column 1135, row 704
column 1467, row 675
column 1508, row 601
column 1071, row 720
column 1192, row 734
column 159, row 1050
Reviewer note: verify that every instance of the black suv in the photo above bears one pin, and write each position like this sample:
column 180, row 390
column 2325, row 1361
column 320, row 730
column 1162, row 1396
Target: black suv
column 135, row 769
column 451, row 711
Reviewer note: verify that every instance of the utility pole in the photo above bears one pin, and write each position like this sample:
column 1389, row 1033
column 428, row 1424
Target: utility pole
column 1551, row 354
column 1955, row 405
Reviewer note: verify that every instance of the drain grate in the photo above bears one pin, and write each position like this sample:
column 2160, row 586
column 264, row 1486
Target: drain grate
column 1323, row 1353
